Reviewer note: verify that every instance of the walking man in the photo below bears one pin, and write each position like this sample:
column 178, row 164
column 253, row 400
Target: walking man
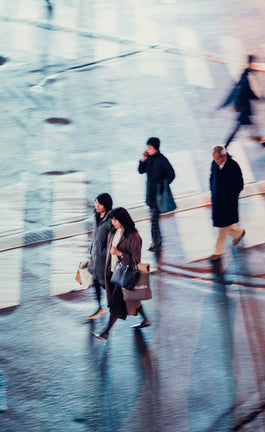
column 158, row 168
column 226, row 183
column 240, row 97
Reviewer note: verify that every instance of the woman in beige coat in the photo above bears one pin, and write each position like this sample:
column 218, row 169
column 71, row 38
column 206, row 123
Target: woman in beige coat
column 124, row 245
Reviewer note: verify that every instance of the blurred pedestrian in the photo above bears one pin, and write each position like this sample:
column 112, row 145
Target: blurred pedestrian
column 98, row 250
column 124, row 245
column 226, row 183
column 157, row 167
column 245, row 90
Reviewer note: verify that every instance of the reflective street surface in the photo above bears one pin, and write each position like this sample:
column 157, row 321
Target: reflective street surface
column 84, row 85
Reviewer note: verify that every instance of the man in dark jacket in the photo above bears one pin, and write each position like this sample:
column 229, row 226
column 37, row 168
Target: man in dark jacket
column 157, row 167
column 226, row 183
column 240, row 97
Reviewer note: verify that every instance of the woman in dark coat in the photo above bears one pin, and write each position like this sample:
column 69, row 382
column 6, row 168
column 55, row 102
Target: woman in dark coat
column 124, row 245
column 98, row 251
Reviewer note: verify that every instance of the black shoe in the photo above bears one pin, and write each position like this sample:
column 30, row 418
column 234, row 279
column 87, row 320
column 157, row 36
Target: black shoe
column 155, row 247
column 102, row 336
column 236, row 241
column 145, row 323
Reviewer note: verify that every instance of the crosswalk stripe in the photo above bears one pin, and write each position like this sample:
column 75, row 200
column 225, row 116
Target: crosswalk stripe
column 12, row 209
column 146, row 31
column 28, row 9
column 187, row 180
column 234, row 54
column 251, row 213
column 24, row 38
column 69, row 198
column 105, row 20
column 10, row 278
column 197, row 239
column 62, row 44
column 66, row 255
column 128, row 186
column 236, row 150
column 196, row 69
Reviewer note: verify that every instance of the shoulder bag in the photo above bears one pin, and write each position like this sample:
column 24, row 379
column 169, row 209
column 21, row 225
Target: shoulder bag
column 164, row 198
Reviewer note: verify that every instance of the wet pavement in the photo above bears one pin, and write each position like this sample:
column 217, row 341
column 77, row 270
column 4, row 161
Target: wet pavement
column 199, row 367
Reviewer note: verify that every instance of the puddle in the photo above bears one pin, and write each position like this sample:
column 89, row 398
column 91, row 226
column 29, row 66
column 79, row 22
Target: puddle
column 58, row 121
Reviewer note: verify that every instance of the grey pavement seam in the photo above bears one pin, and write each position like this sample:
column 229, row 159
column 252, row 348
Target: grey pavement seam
column 227, row 279
column 139, row 213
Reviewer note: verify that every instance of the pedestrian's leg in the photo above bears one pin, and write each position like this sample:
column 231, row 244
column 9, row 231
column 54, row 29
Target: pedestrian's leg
column 105, row 333
column 222, row 233
column 232, row 134
column 146, row 322
column 155, row 229
column 236, row 232
column 98, row 292
column 99, row 310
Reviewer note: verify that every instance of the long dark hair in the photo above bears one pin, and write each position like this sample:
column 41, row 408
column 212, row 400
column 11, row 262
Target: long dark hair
column 121, row 214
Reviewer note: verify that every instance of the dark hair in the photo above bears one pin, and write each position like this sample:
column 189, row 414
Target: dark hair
column 251, row 58
column 105, row 200
column 121, row 214
column 154, row 142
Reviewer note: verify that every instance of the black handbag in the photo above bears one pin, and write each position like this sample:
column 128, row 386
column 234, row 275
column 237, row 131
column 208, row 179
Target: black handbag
column 164, row 198
column 124, row 276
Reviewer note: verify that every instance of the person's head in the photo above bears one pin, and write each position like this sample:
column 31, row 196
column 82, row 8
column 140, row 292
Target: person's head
column 103, row 203
column 121, row 219
column 153, row 145
column 219, row 155
column 251, row 59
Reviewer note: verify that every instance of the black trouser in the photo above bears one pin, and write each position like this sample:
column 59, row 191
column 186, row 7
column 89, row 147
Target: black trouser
column 98, row 290
column 155, row 228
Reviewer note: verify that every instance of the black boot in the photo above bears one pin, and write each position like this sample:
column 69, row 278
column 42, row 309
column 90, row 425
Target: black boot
column 146, row 322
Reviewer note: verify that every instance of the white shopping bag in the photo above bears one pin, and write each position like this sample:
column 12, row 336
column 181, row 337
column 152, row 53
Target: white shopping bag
column 83, row 276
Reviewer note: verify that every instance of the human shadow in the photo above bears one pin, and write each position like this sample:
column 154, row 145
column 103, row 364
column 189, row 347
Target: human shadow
column 213, row 385
column 252, row 314
column 149, row 404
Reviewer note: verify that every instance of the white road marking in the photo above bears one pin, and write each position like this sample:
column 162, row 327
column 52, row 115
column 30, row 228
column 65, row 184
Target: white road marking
column 196, row 69
column 12, row 209
column 234, row 54
column 251, row 216
column 236, row 150
column 65, row 257
column 196, row 233
column 10, row 267
column 69, row 198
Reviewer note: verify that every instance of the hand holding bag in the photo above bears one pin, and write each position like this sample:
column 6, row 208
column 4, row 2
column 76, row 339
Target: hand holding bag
column 83, row 276
column 124, row 276
column 164, row 198
column 142, row 288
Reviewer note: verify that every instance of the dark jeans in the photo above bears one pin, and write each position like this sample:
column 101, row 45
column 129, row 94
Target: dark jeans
column 98, row 291
column 155, row 229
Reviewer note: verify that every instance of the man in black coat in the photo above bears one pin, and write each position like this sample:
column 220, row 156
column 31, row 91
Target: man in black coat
column 157, row 167
column 226, row 183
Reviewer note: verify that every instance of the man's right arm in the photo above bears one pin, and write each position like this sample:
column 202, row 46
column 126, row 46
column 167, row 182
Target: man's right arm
column 142, row 168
